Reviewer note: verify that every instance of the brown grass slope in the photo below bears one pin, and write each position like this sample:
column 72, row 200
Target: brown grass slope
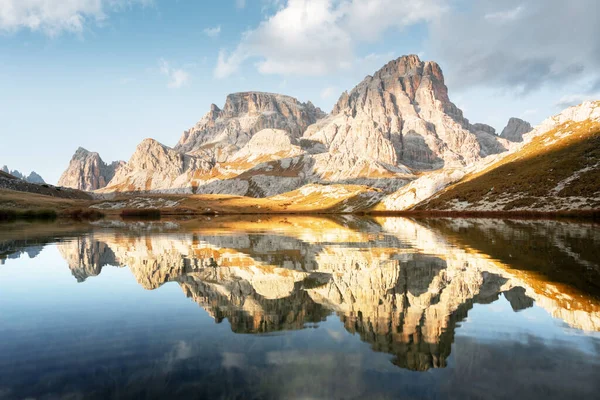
column 557, row 171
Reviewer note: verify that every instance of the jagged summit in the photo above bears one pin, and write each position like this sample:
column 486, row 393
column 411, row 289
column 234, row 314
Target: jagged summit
column 402, row 115
column 156, row 166
column 515, row 129
column 222, row 132
column 33, row 176
column 87, row 171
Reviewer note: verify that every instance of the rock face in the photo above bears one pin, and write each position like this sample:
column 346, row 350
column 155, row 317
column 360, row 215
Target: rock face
column 515, row 129
column 521, row 180
column 383, row 134
column 402, row 116
column 220, row 133
column 33, row 177
column 156, row 167
column 87, row 171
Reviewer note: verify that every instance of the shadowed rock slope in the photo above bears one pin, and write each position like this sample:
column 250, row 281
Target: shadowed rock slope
column 557, row 168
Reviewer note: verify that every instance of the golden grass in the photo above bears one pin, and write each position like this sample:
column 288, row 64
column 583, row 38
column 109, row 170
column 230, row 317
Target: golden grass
column 23, row 201
column 533, row 172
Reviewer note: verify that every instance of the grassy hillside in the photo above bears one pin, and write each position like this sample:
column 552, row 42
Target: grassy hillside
column 329, row 199
column 558, row 170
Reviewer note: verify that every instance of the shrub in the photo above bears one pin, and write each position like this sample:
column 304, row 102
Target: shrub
column 11, row 215
column 84, row 214
column 141, row 213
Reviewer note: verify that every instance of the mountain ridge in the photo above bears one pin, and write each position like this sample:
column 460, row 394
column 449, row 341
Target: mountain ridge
column 396, row 133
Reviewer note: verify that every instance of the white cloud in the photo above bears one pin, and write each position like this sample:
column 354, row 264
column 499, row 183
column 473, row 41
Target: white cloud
column 56, row 16
column 240, row 4
column 316, row 37
column 574, row 99
column 504, row 16
column 529, row 112
column 212, row 32
column 518, row 48
column 328, row 92
column 177, row 77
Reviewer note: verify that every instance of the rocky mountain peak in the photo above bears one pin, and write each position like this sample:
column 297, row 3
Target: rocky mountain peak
column 405, row 74
column 222, row 132
column 515, row 129
column 402, row 115
column 87, row 171
column 154, row 166
column 33, row 177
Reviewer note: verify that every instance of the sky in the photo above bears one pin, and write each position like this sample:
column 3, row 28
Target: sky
column 106, row 74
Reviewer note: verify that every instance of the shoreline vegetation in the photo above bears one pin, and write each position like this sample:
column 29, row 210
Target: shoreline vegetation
column 16, row 205
column 87, row 214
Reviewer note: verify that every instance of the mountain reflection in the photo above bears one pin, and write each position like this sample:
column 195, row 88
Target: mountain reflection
column 402, row 285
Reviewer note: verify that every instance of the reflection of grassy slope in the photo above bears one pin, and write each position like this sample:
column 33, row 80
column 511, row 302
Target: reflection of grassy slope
column 529, row 177
column 535, row 250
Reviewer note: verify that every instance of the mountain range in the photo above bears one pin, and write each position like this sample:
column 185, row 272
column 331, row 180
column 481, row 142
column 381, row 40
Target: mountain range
column 396, row 136
column 33, row 176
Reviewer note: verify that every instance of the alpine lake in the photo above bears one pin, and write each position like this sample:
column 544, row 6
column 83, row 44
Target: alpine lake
column 300, row 307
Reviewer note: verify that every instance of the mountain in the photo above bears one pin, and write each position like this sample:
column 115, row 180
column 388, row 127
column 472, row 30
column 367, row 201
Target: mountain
column 515, row 129
column 220, row 133
column 87, row 171
column 556, row 168
column 382, row 134
column 10, row 184
column 33, row 177
column 402, row 116
column 156, row 167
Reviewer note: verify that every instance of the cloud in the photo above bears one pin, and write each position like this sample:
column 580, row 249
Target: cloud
column 502, row 16
column 529, row 112
column 177, row 77
column 53, row 17
column 518, row 46
column 316, row 37
column 328, row 92
column 574, row 99
column 212, row 32
column 240, row 4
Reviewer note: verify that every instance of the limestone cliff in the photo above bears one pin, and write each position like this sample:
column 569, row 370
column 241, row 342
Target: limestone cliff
column 221, row 132
column 402, row 115
column 515, row 129
column 156, row 167
column 87, row 171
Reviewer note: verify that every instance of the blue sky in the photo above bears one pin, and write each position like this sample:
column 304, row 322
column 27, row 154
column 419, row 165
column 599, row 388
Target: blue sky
column 105, row 74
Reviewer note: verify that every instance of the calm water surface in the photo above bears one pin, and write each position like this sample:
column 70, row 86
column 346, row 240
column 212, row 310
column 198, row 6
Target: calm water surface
column 300, row 307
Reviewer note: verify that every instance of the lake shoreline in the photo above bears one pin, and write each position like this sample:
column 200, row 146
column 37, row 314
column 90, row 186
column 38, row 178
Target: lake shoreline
column 21, row 205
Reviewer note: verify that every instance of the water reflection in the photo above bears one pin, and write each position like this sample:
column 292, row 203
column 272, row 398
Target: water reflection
column 402, row 285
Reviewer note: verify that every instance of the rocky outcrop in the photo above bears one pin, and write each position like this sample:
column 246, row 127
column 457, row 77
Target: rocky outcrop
column 222, row 132
column 33, row 177
column 87, row 171
column 268, row 145
column 10, row 182
column 156, row 167
column 515, row 129
column 402, row 116
column 556, row 168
